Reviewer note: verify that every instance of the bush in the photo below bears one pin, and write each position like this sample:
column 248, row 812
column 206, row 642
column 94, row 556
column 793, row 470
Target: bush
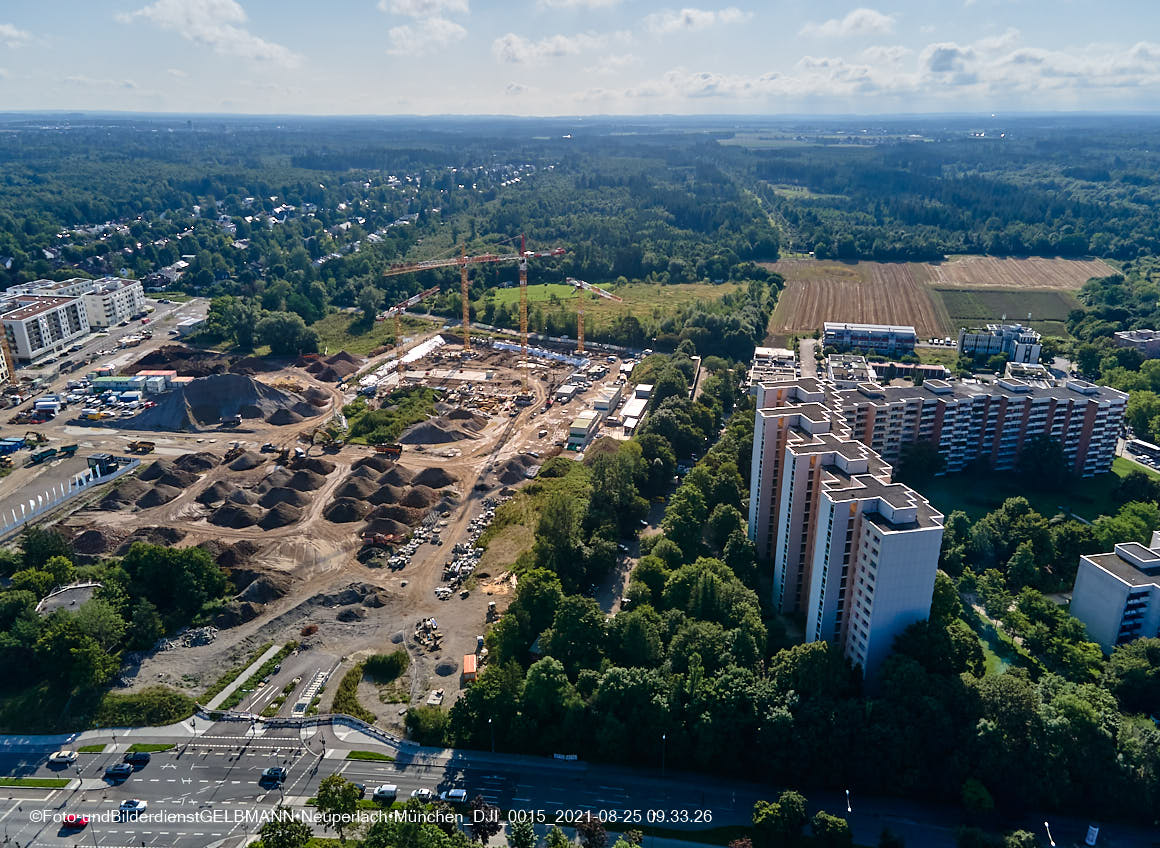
column 383, row 668
column 152, row 707
column 427, row 725
column 346, row 696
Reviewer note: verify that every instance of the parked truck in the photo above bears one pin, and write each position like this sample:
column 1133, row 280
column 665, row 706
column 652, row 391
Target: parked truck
column 42, row 456
column 392, row 451
column 140, row 447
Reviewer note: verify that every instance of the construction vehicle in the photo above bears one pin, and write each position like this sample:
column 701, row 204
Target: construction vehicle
column 581, row 295
column 140, row 447
column 34, row 438
column 463, row 260
column 269, row 448
column 492, row 615
column 231, row 421
column 42, row 456
column 69, row 450
column 236, row 450
column 391, row 451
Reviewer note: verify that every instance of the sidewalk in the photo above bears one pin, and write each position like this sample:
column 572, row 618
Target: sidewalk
column 242, row 678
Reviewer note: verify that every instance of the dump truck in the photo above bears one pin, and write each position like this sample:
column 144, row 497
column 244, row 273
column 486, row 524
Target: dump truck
column 393, row 451
column 231, row 421
column 42, row 456
column 69, row 450
column 140, row 447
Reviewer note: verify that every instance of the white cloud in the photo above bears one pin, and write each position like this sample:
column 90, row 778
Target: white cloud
column 424, row 36
column 515, row 89
column 613, row 62
column 688, row 20
column 92, row 82
column 11, row 36
column 218, row 24
column 176, row 72
column 883, row 55
column 517, row 50
column 578, row 4
column 424, row 8
column 858, row 22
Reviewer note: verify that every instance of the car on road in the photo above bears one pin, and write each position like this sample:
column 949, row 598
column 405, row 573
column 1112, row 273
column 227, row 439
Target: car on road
column 62, row 758
column 386, row 793
column 118, row 771
column 75, row 821
column 132, row 807
column 137, row 758
column 275, row 775
column 454, row 796
column 362, row 789
column 422, row 793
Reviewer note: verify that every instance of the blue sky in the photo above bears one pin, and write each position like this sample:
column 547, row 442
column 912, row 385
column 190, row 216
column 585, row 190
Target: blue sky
column 553, row 57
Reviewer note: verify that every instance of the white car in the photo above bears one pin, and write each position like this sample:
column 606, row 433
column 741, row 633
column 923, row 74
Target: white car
column 423, row 793
column 63, row 758
column 133, row 806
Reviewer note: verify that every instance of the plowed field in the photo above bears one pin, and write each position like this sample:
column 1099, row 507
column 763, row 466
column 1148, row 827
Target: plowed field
column 971, row 272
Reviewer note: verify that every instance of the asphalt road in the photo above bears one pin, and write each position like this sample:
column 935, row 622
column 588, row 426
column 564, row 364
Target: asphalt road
column 206, row 792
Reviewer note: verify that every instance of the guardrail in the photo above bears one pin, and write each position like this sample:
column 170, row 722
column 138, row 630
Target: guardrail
column 306, row 721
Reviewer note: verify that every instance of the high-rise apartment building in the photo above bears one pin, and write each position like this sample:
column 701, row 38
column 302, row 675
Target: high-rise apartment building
column 1117, row 594
column 854, row 552
column 1021, row 344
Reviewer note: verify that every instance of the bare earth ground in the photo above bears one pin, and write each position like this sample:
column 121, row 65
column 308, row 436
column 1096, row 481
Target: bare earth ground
column 315, row 558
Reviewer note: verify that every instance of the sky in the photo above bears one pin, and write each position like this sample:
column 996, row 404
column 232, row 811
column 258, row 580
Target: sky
column 578, row 57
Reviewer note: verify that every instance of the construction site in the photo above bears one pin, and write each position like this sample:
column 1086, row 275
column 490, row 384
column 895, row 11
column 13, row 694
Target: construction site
column 343, row 545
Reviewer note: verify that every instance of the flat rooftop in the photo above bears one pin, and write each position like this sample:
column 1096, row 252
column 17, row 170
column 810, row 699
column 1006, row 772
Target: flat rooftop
column 33, row 305
column 841, row 327
column 948, row 389
column 1128, row 571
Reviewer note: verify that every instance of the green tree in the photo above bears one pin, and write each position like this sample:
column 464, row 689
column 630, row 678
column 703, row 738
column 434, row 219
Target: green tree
column 1132, row 674
column 370, row 299
column 38, row 546
column 830, row 831
column 284, row 830
column 779, row 824
column 976, row 799
column 725, row 520
column 101, row 623
column 919, row 462
column 145, row 626
column 889, row 839
column 337, row 800
column 427, row 725
column 286, row 334
column 555, row 838
column 522, row 834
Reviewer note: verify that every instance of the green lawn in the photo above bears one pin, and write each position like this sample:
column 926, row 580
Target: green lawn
column 150, row 747
column 35, row 782
column 976, row 495
column 972, row 307
column 947, row 357
column 92, row 749
column 347, row 331
column 373, row 756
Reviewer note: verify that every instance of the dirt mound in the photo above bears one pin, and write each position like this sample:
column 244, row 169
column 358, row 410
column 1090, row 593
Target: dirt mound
column 376, row 461
column 252, row 365
column 126, row 493
column 318, row 465
column 397, row 476
column 283, row 495
column 275, row 479
column 305, row 480
column 406, row 515
column 236, row 516
column 155, row 469
column 167, row 536
column 237, row 612
column 178, row 479
column 198, row 463
column 285, row 416
column 282, row 515
column 346, row 510
column 186, row 361
column 233, row 556
column 241, row 496
column 351, row 615
column 216, row 493
column 158, row 495
column 461, row 414
column 343, row 356
column 513, row 470
column 388, row 526
column 436, row 478
column 93, row 542
column 356, row 487
column 364, row 473
column 388, row 495
column 247, row 461
column 438, row 431
column 265, row 588
column 316, row 396
column 204, row 402
column 420, row 497
column 446, row 668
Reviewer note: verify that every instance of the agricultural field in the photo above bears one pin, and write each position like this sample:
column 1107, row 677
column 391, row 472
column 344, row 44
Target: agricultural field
column 869, row 292
column 1035, row 272
column 644, row 300
column 1048, row 308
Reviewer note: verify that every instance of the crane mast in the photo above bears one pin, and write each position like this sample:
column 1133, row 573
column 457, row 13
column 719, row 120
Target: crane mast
column 582, row 288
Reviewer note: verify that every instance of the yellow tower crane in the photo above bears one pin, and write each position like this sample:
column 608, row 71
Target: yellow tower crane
column 581, row 296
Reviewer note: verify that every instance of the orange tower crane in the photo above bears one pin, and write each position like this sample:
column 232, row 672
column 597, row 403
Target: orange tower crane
column 463, row 260
column 581, row 288
column 399, row 308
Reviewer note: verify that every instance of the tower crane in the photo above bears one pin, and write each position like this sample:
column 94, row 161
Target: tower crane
column 463, row 260
column 399, row 308
column 581, row 288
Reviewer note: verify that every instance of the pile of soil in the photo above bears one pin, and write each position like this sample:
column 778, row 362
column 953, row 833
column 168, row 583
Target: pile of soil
column 388, row 495
column 266, row 587
column 275, row 479
column 216, row 493
column 397, row 476
column 198, row 463
column 376, row 461
column 158, row 495
column 155, row 469
column 186, row 361
column 351, row 615
column 331, row 369
column 346, row 510
column 282, row 495
column 241, row 496
column 252, row 365
column 126, row 493
column 204, row 402
column 434, row 477
column 387, row 525
column 177, row 478
column 237, row 553
column 364, row 473
column 236, row 516
column 247, row 461
column 511, row 472
column 440, row 431
column 316, row 396
column 237, row 612
column 167, row 536
column 93, row 542
column 420, row 497
column 406, row 515
column 318, row 465
column 284, row 416
column 282, row 515
column 305, row 480
column 356, row 487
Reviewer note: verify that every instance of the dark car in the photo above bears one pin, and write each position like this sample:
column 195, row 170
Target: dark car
column 118, row 771
column 137, row 758
column 275, row 775
column 362, row 789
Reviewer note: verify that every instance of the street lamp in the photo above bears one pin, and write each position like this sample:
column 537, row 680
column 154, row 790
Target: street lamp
column 1050, row 839
column 491, row 728
column 848, row 809
column 663, row 737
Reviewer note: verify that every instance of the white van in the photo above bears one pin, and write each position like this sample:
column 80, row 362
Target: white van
column 454, row 796
column 386, row 793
